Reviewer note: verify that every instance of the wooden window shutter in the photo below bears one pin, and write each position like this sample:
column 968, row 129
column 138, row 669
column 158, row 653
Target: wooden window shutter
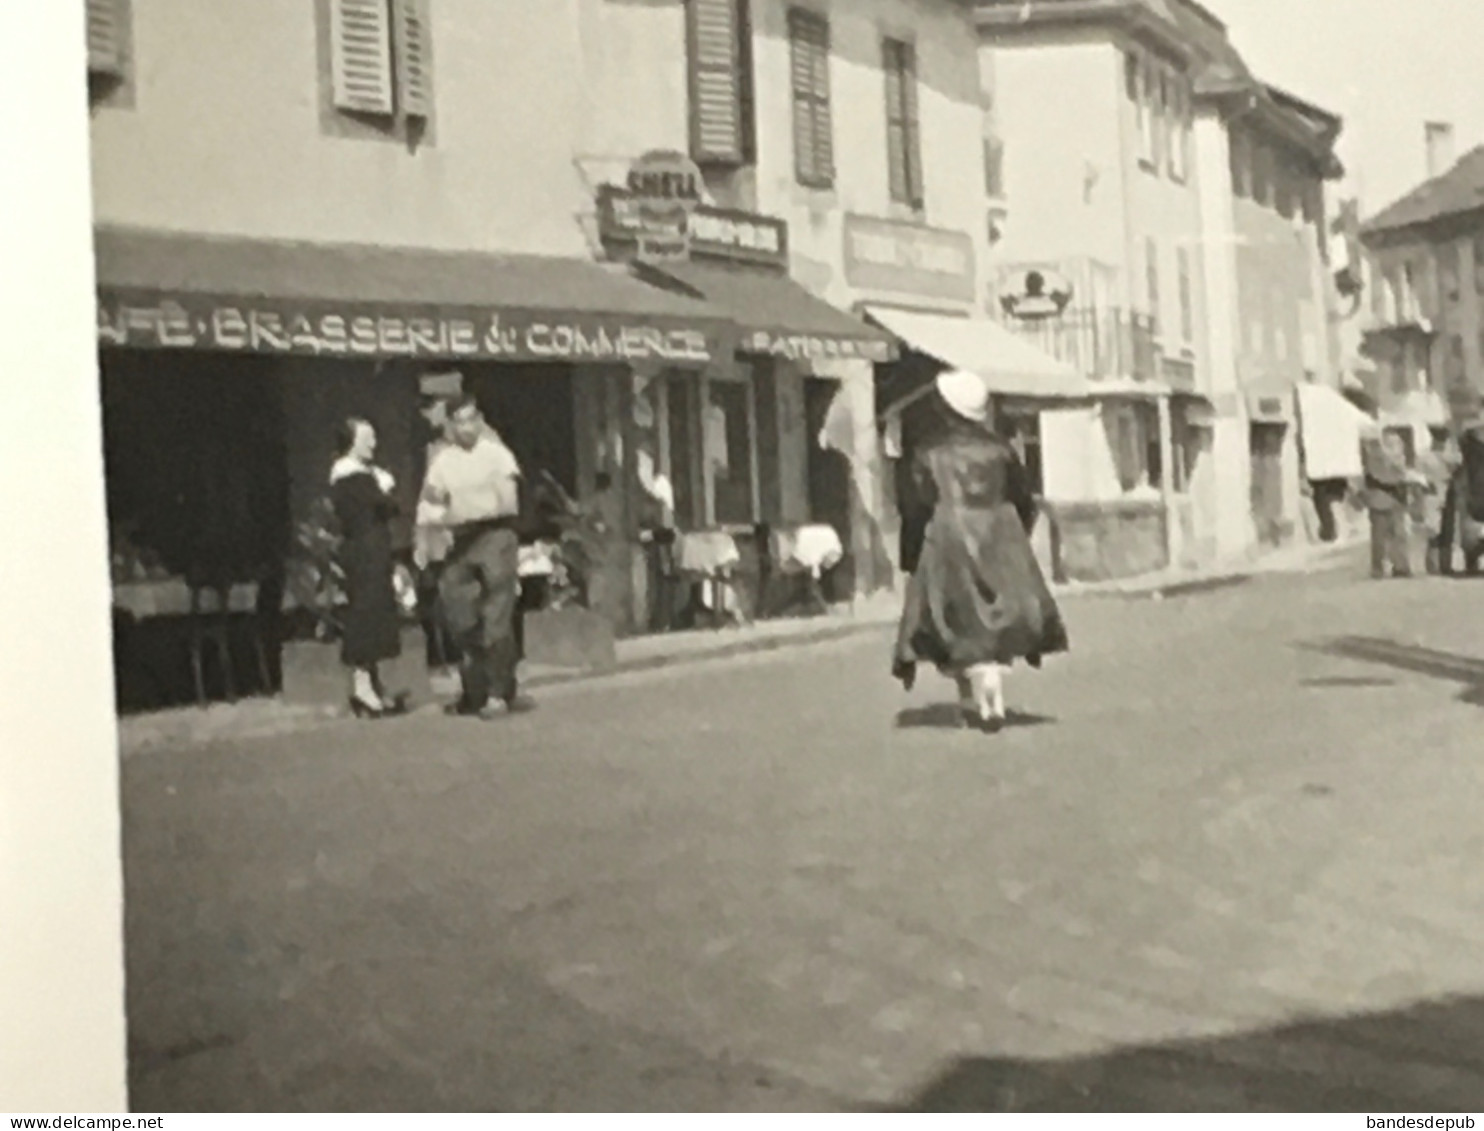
column 896, row 127
column 105, row 38
column 910, row 116
column 715, row 81
column 361, row 56
column 414, row 59
column 813, row 127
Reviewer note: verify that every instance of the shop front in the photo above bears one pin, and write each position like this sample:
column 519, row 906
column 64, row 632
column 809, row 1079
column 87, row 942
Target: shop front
column 752, row 516
column 226, row 365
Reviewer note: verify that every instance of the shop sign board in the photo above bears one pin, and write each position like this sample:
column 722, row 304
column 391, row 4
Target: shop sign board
column 909, row 259
column 816, row 347
column 716, row 234
column 151, row 320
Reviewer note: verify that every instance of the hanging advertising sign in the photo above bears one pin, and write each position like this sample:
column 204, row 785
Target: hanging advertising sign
column 664, row 187
column 1035, row 294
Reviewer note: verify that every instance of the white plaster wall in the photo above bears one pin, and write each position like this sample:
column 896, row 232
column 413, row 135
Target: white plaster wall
column 950, row 110
column 1230, row 456
column 1057, row 108
column 62, row 1032
column 225, row 135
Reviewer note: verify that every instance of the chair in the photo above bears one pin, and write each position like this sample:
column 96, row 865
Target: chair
column 210, row 625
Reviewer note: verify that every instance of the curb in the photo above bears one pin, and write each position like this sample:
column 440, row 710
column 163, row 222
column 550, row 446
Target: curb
column 727, row 651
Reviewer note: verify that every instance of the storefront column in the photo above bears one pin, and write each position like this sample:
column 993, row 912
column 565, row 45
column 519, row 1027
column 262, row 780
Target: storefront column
column 1173, row 539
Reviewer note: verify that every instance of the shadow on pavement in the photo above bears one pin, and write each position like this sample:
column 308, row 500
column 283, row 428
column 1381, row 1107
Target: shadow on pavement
column 1428, row 1058
column 1465, row 670
column 1347, row 681
column 947, row 716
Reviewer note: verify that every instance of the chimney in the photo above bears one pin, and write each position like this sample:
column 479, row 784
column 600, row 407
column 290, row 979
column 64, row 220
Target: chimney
column 1439, row 147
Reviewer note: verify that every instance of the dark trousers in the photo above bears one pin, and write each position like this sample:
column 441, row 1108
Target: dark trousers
column 479, row 588
column 1440, row 547
column 1389, row 543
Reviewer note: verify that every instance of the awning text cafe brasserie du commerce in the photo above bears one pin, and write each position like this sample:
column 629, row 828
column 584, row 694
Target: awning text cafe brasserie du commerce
column 373, row 330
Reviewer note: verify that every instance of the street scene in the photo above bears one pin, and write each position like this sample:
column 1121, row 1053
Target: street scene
column 1221, row 860
column 735, row 555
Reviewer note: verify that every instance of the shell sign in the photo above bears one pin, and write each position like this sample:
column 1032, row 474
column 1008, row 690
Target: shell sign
column 665, row 187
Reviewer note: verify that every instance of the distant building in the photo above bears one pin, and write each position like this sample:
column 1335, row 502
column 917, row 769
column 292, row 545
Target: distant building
column 1183, row 198
column 1424, row 318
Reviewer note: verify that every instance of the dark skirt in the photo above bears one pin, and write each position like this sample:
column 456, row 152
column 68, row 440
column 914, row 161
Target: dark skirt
column 977, row 595
column 373, row 622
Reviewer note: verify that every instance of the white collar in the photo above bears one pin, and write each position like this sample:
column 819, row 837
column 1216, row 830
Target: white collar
column 346, row 466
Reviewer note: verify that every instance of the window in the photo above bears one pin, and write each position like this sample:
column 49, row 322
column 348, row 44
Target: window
column 1283, row 188
column 1262, row 174
column 1151, row 278
column 1187, row 298
column 108, row 28
column 728, row 431
column 1161, row 118
column 1131, row 81
column 1241, row 164
column 903, row 132
column 718, row 45
column 994, row 168
column 381, row 64
column 1147, row 123
column 1457, row 373
column 1180, row 131
column 1134, row 435
column 809, row 56
column 1450, row 271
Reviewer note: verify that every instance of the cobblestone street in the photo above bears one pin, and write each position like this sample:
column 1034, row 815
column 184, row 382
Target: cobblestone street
column 1226, row 859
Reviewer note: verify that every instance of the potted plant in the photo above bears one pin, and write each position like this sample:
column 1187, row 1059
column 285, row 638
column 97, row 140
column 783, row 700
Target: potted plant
column 560, row 628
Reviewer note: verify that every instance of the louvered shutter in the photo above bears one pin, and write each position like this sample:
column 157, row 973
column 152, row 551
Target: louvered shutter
column 913, row 128
column 361, row 55
column 824, row 128
column 801, row 70
column 105, row 38
column 896, row 127
column 809, row 50
column 414, row 59
column 715, row 82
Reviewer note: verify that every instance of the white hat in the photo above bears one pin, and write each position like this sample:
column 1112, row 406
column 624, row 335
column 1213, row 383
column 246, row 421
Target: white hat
column 965, row 393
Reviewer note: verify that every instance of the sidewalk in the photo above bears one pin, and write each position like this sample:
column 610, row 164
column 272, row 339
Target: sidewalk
column 270, row 717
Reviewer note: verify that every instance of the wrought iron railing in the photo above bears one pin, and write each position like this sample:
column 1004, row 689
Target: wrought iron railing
column 1108, row 344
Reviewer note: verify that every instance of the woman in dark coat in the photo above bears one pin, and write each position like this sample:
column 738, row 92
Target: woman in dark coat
column 976, row 597
column 361, row 494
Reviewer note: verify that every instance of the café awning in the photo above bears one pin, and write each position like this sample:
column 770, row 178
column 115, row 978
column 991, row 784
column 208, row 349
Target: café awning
column 1332, row 429
column 1009, row 366
column 778, row 316
column 187, row 291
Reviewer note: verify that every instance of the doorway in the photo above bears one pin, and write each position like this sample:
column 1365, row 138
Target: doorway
column 1266, row 449
column 829, row 485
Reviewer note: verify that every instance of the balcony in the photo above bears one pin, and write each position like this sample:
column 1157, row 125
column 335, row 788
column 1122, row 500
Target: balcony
column 1104, row 344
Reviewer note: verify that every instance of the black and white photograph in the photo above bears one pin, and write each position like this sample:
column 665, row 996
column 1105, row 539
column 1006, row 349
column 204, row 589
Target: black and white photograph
column 840, row 556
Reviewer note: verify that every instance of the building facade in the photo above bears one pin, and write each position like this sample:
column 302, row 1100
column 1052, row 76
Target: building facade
column 301, row 210
column 1423, row 306
column 1133, row 125
column 1094, row 104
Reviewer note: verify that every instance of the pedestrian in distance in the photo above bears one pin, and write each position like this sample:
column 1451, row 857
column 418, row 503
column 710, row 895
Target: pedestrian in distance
column 976, row 598
column 472, row 488
column 361, row 494
column 1387, row 485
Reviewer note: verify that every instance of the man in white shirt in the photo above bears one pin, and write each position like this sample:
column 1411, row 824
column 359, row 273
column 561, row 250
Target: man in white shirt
column 473, row 488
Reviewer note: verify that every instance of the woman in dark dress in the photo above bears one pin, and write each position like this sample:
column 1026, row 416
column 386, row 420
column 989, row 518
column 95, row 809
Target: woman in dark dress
column 976, row 598
column 361, row 494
